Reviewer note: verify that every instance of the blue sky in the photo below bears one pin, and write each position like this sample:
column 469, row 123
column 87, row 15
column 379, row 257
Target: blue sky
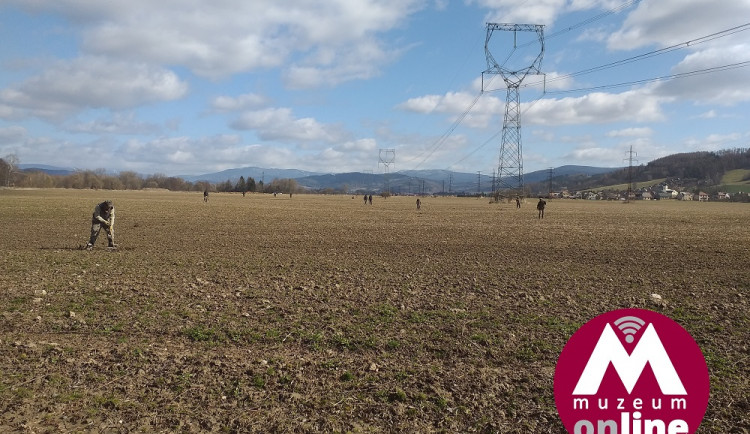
column 193, row 86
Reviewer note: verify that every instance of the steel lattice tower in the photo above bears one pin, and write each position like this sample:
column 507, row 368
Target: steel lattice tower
column 510, row 164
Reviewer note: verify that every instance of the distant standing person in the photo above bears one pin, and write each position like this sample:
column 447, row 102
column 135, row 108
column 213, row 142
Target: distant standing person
column 518, row 202
column 419, row 204
column 540, row 207
column 370, row 198
column 205, row 195
column 103, row 218
column 365, row 199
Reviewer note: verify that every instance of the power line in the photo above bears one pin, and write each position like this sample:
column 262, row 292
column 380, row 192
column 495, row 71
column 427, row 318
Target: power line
column 681, row 45
column 587, row 21
column 664, row 77
column 440, row 141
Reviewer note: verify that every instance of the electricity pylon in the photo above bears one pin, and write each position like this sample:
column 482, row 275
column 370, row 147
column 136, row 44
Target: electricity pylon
column 510, row 165
column 386, row 158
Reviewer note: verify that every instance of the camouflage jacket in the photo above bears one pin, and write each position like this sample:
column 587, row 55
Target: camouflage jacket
column 100, row 216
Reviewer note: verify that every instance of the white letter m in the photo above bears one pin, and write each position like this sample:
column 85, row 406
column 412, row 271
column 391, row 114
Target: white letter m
column 629, row 367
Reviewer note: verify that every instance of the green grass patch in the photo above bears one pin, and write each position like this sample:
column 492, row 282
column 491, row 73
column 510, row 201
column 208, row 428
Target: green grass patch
column 737, row 176
column 200, row 333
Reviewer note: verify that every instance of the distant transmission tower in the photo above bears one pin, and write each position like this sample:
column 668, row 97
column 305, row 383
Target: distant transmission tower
column 510, row 166
column 550, row 173
column 387, row 157
column 630, row 174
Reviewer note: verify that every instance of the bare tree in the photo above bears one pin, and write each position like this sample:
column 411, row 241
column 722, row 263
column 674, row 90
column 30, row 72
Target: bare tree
column 8, row 167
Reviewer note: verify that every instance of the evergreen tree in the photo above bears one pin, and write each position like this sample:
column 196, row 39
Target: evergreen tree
column 240, row 186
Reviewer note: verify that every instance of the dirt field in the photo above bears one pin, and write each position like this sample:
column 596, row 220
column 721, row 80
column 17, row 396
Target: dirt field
column 319, row 313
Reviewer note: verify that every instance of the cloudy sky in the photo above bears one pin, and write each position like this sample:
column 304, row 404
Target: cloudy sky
column 182, row 87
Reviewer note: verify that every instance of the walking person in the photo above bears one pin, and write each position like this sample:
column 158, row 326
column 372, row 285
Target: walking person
column 205, row 195
column 518, row 202
column 419, row 204
column 103, row 218
column 540, row 207
column 370, row 199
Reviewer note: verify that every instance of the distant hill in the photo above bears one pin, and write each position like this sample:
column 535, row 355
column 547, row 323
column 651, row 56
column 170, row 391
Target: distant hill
column 689, row 171
column 51, row 170
column 257, row 173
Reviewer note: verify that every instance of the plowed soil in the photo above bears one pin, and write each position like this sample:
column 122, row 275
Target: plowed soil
column 321, row 314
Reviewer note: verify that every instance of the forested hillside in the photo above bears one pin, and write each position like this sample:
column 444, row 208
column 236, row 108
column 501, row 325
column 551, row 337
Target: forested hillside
column 693, row 170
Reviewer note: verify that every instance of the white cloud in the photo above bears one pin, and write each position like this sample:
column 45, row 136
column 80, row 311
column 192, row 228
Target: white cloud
column 456, row 104
column 218, row 39
column 711, row 114
column 669, row 22
column 330, row 66
column 720, row 87
column 715, row 142
column 119, row 123
column 238, row 103
column 510, row 11
column 631, row 132
column 90, row 82
column 12, row 135
column 596, row 108
column 597, row 155
column 280, row 124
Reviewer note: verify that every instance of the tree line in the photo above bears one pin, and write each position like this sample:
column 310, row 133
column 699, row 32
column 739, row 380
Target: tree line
column 10, row 176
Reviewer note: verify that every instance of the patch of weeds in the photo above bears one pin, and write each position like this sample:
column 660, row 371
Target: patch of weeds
column 57, row 380
column 533, row 350
column 182, row 382
column 342, row 341
column 16, row 303
column 397, row 395
column 273, row 334
column 371, row 342
column 314, row 340
column 417, row 317
column 200, row 333
column 69, row 397
column 719, row 366
column 401, row 375
column 346, row 376
column 235, row 389
column 331, row 365
column 109, row 402
column 138, row 353
column 440, row 402
column 566, row 328
column 259, row 381
column 482, row 339
column 22, row 393
column 386, row 312
column 392, row 344
column 117, row 328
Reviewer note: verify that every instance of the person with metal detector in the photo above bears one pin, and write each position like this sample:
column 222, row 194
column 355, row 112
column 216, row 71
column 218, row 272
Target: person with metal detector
column 103, row 218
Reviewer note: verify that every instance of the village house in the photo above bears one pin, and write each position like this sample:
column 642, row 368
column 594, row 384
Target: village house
column 685, row 195
column 644, row 195
column 667, row 193
column 722, row 196
column 702, row 196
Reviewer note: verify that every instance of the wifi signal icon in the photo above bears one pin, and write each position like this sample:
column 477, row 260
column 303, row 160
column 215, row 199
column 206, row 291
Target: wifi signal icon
column 629, row 325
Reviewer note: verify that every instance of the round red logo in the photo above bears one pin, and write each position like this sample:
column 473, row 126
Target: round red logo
column 631, row 371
